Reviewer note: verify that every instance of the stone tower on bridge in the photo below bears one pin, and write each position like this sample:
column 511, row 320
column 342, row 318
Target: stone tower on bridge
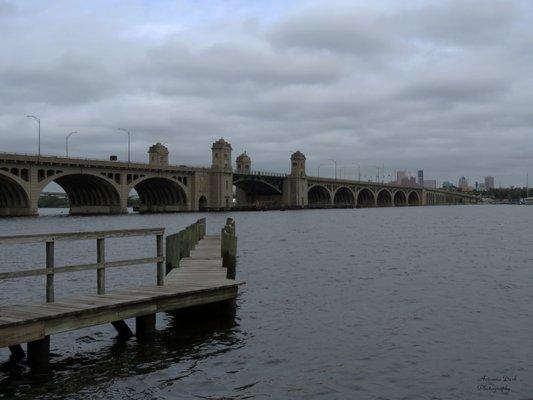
column 158, row 154
column 244, row 164
column 295, row 186
column 221, row 177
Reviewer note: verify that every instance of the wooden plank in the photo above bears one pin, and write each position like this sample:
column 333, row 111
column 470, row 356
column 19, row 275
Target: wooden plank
column 98, row 316
column 23, row 273
column 194, row 300
column 80, row 235
column 9, row 320
column 80, row 267
column 12, row 335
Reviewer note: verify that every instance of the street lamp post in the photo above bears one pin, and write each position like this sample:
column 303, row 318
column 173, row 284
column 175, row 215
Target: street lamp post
column 334, row 162
column 39, row 128
column 66, row 141
column 358, row 170
column 318, row 170
column 128, row 132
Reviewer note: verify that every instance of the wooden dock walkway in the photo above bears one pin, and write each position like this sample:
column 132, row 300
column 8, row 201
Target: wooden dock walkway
column 201, row 278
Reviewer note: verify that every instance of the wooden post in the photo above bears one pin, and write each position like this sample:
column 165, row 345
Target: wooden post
column 191, row 236
column 229, row 261
column 124, row 331
column 17, row 352
column 185, row 243
column 228, row 309
column 100, row 259
column 39, row 353
column 145, row 326
column 160, row 264
column 50, row 271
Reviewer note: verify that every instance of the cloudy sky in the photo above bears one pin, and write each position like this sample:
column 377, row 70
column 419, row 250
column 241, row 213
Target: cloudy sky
column 446, row 86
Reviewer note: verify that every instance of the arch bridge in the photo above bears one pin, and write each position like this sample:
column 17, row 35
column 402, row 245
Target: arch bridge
column 99, row 187
column 103, row 186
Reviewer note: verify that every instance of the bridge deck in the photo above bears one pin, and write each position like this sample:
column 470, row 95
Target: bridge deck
column 201, row 279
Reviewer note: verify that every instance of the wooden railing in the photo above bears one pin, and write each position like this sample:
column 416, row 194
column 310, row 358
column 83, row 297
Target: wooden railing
column 179, row 245
column 101, row 264
column 228, row 248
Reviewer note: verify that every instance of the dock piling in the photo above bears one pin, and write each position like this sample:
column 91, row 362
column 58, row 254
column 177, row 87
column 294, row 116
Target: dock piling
column 145, row 326
column 50, row 271
column 39, row 353
column 100, row 260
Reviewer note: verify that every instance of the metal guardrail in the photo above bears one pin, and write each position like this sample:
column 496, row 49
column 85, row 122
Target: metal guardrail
column 261, row 173
column 100, row 266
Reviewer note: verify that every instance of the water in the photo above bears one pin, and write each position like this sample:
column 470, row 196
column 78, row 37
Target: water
column 411, row 303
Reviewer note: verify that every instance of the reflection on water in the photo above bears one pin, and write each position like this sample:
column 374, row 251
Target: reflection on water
column 411, row 303
column 180, row 339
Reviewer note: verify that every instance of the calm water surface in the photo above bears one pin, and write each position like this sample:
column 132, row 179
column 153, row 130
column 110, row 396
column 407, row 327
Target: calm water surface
column 412, row 303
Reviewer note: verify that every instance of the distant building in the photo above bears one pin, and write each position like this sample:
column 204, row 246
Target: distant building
column 421, row 177
column 463, row 183
column 412, row 181
column 448, row 185
column 489, row 182
column 430, row 183
column 400, row 176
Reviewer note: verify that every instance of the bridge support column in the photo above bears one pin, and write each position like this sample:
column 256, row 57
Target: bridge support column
column 39, row 353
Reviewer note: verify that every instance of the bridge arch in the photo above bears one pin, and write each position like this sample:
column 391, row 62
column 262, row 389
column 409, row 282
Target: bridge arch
column 87, row 192
column 318, row 196
column 14, row 199
column 413, row 199
column 344, row 197
column 257, row 191
column 400, row 198
column 160, row 194
column 366, row 198
column 258, row 186
column 384, row 198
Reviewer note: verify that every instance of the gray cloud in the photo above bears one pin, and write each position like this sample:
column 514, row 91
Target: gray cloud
column 6, row 8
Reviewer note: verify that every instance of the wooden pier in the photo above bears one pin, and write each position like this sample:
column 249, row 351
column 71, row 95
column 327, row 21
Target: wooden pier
column 196, row 270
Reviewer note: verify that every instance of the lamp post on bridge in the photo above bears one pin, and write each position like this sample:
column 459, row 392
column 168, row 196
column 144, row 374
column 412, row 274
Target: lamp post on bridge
column 335, row 163
column 318, row 170
column 39, row 129
column 358, row 170
column 129, row 134
column 66, row 141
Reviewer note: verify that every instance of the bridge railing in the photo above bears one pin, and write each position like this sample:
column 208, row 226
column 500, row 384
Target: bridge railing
column 262, row 173
column 63, row 159
column 101, row 264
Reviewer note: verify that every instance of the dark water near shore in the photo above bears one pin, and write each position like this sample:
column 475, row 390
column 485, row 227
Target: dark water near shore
column 412, row 303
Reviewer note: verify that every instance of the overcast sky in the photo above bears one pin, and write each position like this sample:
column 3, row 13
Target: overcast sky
column 446, row 86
